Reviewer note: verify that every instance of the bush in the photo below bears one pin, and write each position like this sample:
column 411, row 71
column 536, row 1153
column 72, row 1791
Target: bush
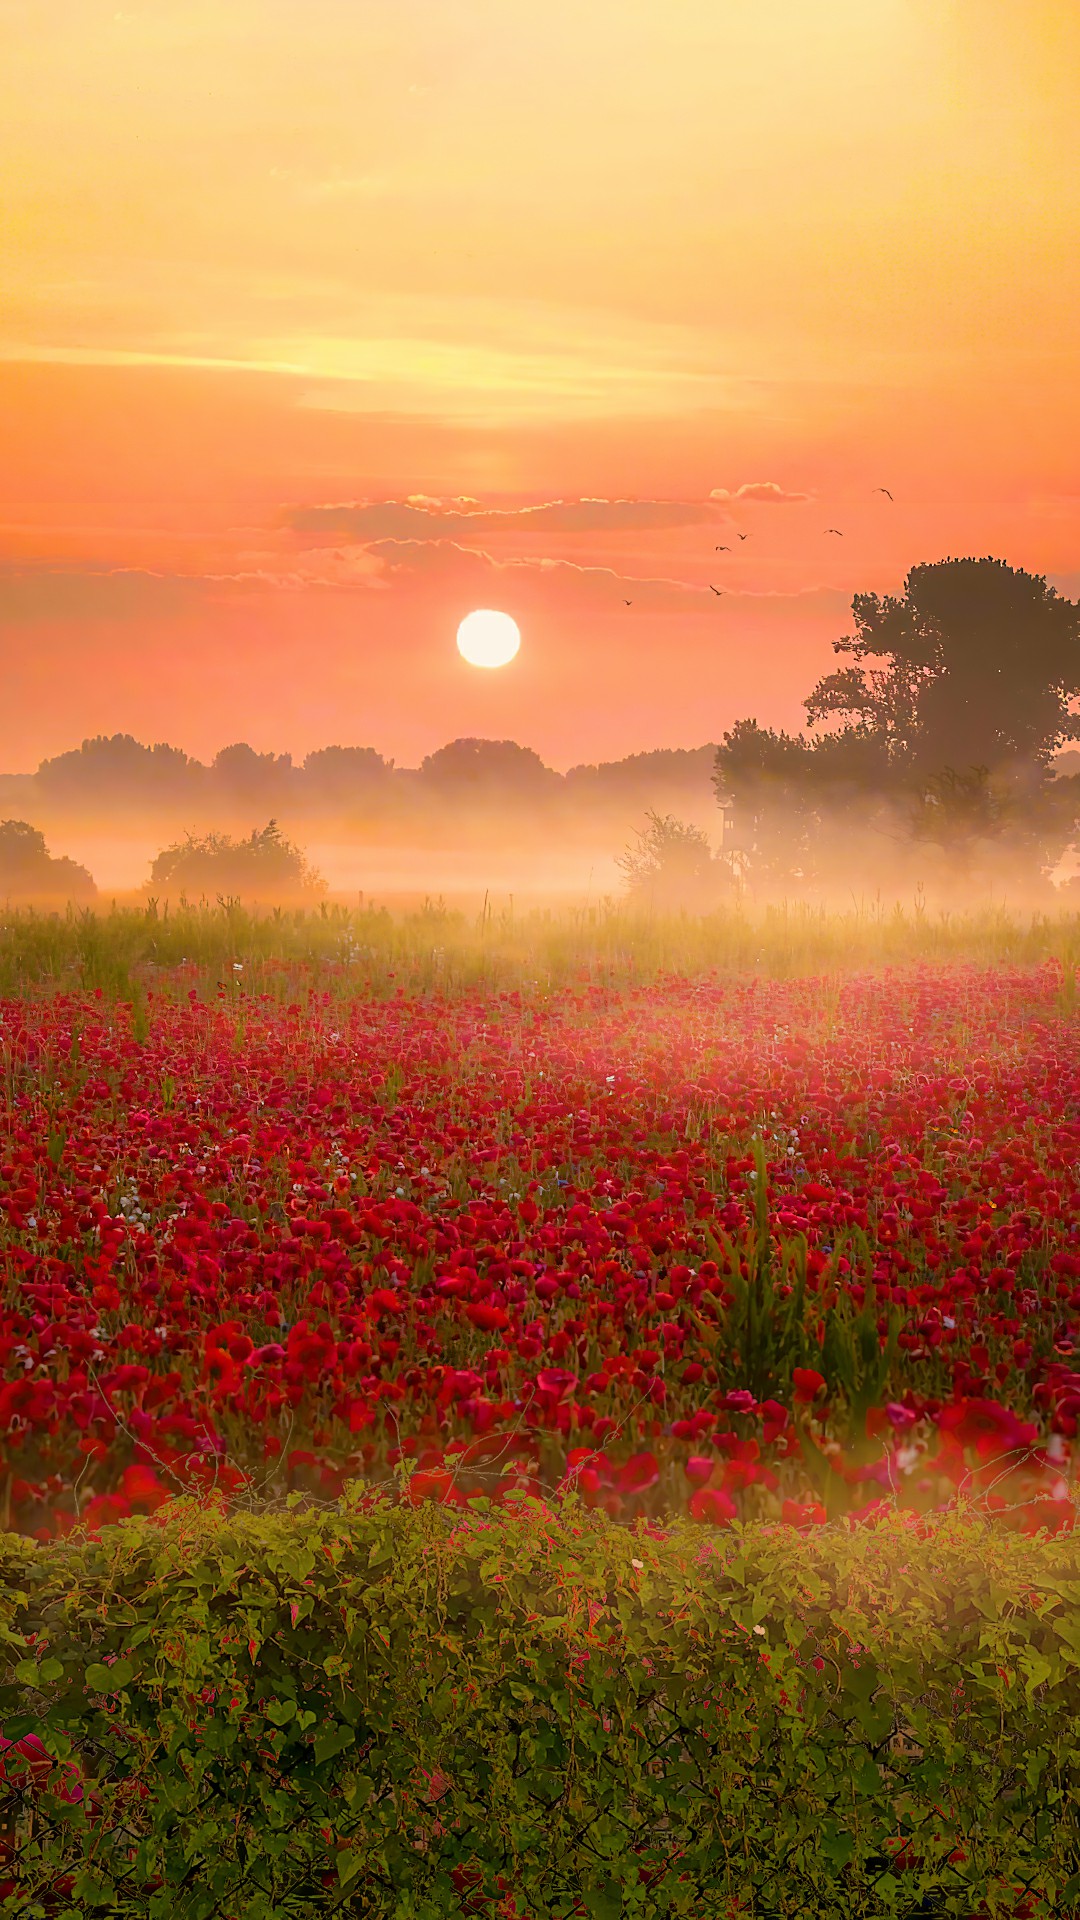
column 29, row 872
column 672, row 867
column 266, row 866
column 392, row 1710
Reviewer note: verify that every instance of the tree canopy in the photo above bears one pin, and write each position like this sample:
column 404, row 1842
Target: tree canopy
column 955, row 699
column 979, row 663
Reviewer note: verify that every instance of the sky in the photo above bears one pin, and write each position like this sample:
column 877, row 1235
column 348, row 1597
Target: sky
column 327, row 321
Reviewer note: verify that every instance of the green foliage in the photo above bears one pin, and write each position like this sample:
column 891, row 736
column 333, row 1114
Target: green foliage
column 760, row 1336
column 412, row 1712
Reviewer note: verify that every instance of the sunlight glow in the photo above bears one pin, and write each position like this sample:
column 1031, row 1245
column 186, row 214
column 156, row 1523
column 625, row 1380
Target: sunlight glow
column 488, row 639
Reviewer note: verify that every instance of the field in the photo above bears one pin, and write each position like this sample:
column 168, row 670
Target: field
column 774, row 1218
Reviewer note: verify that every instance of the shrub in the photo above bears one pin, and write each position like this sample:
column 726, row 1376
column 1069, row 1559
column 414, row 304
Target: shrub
column 266, row 866
column 392, row 1711
column 672, row 866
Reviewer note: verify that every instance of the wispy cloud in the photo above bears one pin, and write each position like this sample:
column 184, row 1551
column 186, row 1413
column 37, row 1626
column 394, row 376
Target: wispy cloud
column 43, row 593
column 438, row 559
column 763, row 492
column 422, row 516
column 78, row 594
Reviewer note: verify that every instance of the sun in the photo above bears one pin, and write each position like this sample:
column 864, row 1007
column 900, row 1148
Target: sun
column 488, row 639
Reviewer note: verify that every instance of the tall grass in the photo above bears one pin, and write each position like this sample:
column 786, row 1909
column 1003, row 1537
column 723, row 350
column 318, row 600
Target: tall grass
column 131, row 949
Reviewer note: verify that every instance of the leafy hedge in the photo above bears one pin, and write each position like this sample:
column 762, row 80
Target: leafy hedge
column 392, row 1710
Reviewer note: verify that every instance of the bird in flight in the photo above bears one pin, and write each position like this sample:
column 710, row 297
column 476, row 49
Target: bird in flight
column 885, row 491
column 628, row 603
column 721, row 549
column 835, row 530
column 744, row 536
column 716, row 590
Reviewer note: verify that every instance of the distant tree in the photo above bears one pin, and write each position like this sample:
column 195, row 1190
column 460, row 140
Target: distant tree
column 979, row 664
column 239, row 774
column 265, row 866
column 338, row 775
column 28, row 871
column 487, row 770
column 763, row 783
column 118, row 768
column 672, row 866
column 643, row 778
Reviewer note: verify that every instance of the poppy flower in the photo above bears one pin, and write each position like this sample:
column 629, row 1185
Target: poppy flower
column 713, row 1507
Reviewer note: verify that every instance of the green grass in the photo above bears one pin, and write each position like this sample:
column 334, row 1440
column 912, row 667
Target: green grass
column 436, row 948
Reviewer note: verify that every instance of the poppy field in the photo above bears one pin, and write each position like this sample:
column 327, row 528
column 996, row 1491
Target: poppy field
column 709, row 1242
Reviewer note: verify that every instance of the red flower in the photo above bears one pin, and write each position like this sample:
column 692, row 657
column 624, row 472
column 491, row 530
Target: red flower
column 489, row 1319
column 808, row 1383
column 698, row 1469
column 639, row 1473
column 796, row 1513
column 713, row 1506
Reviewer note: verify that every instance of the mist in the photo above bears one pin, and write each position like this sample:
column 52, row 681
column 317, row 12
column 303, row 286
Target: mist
column 480, row 819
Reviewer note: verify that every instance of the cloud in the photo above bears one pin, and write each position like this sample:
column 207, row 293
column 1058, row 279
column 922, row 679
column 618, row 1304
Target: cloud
column 91, row 593
column 765, row 492
column 421, row 516
column 72, row 594
column 33, row 593
column 433, row 559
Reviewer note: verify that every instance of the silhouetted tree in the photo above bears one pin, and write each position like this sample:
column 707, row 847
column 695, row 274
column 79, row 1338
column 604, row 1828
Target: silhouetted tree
column 241, row 775
column 114, row 768
column 337, row 775
column 487, row 770
column 265, row 866
column 980, row 662
column 28, row 871
column 960, row 696
column 763, row 784
column 644, row 779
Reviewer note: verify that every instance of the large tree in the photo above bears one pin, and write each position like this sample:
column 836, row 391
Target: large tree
column 976, row 665
column 956, row 697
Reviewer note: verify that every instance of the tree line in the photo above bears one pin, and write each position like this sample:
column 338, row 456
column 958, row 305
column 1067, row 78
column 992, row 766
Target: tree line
column 936, row 742
column 118, row 775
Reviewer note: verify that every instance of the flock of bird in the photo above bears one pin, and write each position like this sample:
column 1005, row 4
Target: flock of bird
column 719, row 591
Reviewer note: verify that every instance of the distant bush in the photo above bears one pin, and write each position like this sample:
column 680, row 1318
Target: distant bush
column 29, row 872
column 264, row 866
column 672, row 866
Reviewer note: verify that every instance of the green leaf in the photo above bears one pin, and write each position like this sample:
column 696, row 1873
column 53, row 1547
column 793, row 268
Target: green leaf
column 109, row 1679
column 350, row 1860
column 606, row 1902
column 335, row 1740
column 837, row 1844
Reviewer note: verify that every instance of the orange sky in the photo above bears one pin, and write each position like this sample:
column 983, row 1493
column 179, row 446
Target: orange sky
column 711, row 267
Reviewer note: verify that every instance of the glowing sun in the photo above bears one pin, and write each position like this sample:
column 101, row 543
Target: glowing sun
column 488, row 639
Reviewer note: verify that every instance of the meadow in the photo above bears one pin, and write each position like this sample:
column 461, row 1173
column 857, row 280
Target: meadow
column 539, row 1416
column 757, row 1217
